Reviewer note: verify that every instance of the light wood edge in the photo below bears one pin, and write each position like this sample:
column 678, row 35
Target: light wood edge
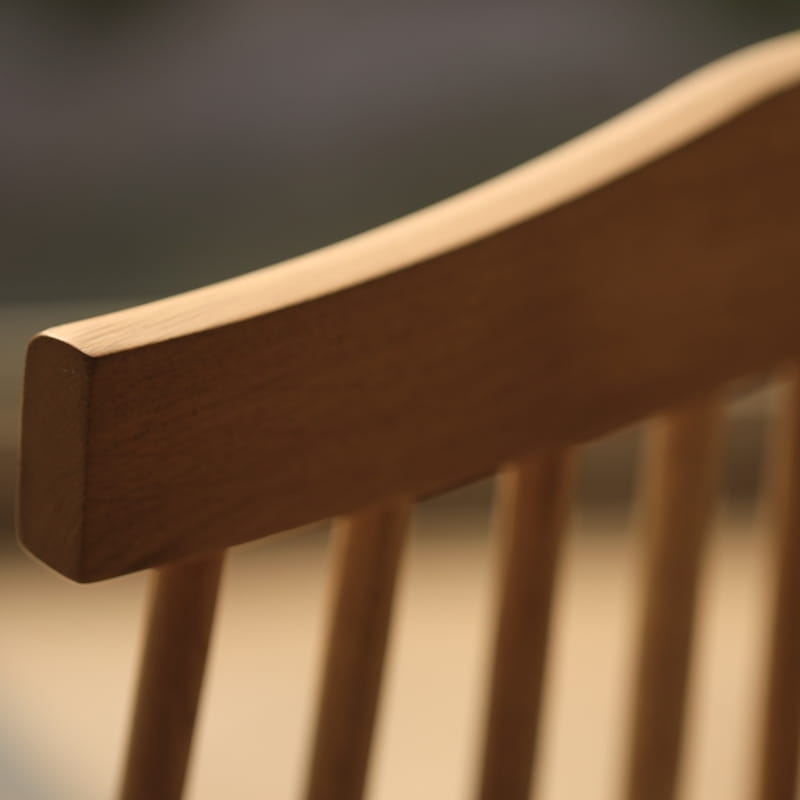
column 682, row 112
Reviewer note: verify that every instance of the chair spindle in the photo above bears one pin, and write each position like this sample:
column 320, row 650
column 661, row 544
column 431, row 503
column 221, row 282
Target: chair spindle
column 679, row 482
column 181, row 617
column 777, row 775
column 369, row 547
column 532, row 506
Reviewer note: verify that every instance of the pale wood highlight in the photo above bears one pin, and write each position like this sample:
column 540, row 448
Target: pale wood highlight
column 680, row 477
column 369, row 547
column 557, row 324
column 171, row 678
column 706, row 99
column 532, row 506
column 777, row 774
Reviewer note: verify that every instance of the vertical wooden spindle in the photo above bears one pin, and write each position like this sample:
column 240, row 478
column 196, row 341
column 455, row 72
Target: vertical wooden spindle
column 369, row 544
column 179, row 628
column 679, row 485
column 532, row 506
column 777, row 774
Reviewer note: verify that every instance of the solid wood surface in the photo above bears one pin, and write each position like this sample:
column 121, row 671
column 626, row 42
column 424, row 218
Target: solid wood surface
column 680, row 478
column 370, row 545
column 777, row 774
column 533, row 501
column 171, row 678
column 640, row 265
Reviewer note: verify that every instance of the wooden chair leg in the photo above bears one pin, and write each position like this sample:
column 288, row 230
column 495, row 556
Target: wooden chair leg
column 179, row 628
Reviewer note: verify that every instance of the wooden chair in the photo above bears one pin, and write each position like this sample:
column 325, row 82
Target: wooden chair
column 632, row 272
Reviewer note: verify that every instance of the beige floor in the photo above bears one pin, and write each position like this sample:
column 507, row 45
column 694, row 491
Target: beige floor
column 67, row 655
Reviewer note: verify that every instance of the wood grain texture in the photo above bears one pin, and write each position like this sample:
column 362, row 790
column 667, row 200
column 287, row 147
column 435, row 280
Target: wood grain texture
column 171, row 678
column 273, row 400
column 777, row 774
column 680, row 478
column 533, row 501
column 369, row 547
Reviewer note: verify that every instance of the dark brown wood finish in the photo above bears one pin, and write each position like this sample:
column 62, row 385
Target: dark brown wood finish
column 654, row 288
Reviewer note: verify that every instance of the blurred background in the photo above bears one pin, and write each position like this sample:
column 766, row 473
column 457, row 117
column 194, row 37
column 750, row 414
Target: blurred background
column 151, row 146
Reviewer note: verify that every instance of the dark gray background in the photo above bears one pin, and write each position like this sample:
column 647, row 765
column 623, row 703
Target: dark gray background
column 150, row 147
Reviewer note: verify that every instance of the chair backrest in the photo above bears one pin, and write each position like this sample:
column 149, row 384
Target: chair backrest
column 630, row 273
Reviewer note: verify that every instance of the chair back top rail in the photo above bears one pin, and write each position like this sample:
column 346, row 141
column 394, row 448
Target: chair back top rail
column 635, row 267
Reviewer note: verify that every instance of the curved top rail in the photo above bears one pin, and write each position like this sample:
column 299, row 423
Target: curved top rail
column 674, row 116
column 652, row 258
